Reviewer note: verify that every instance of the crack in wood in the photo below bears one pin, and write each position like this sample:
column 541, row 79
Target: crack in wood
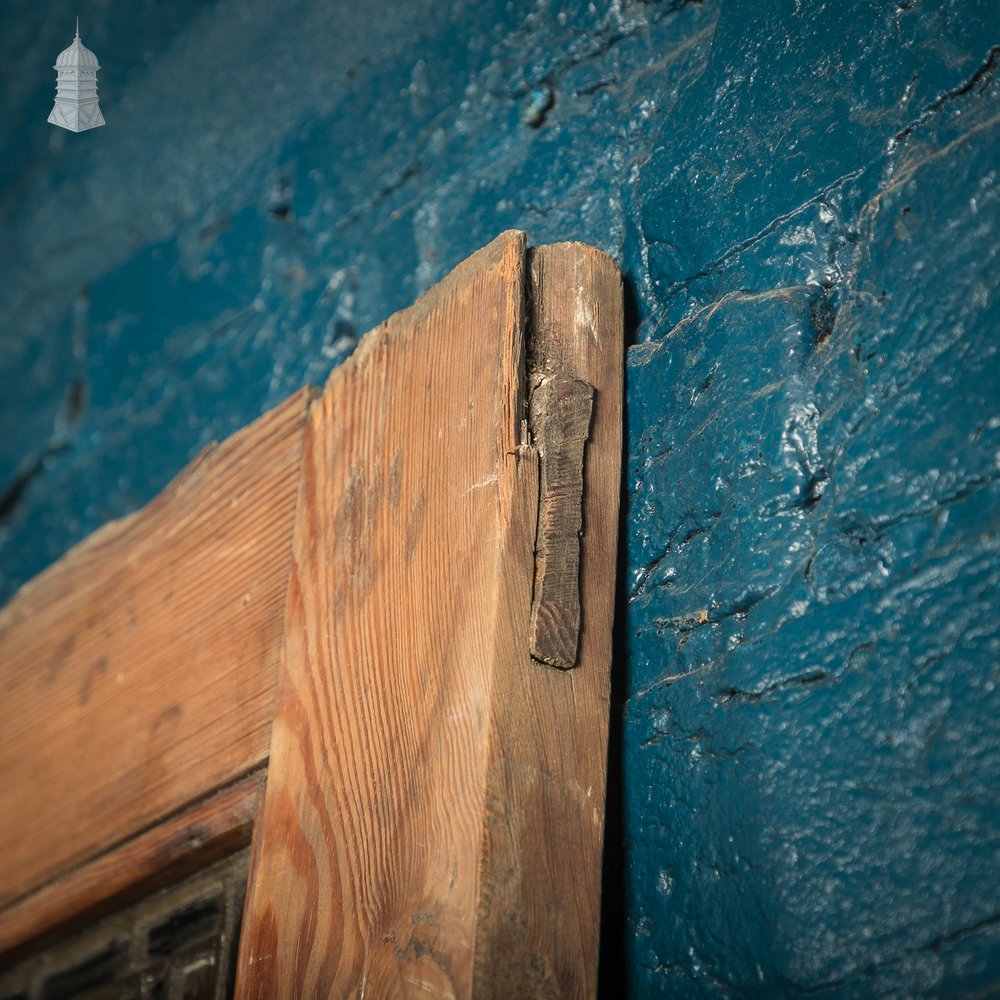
column 561, row 409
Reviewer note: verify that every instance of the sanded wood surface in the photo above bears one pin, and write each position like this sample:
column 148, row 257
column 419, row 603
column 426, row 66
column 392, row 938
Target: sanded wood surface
column 433, row 814
column 137, row 674
column 184, row 843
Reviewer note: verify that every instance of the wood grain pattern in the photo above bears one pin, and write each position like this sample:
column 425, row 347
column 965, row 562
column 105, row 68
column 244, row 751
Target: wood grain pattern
column 184, row 843
column 364, row 868
column 538, row 916
column 560, row 409
column 391, row 858
column 137, row 674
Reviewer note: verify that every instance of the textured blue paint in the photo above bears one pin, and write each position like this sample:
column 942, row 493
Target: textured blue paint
column 803, row 197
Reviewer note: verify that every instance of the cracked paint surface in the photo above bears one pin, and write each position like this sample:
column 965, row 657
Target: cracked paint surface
column 803, row 198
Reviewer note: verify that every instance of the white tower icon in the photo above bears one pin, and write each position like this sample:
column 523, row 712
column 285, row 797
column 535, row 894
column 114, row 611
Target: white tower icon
column 76, row 106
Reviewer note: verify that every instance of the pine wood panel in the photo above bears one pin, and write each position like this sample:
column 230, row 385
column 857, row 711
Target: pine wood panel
column 137, row 674
column 387, row 857
column 364, row 870
column 184, row 843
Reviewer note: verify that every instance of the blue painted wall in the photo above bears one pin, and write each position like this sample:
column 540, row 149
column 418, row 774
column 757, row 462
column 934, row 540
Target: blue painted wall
column 803, row 196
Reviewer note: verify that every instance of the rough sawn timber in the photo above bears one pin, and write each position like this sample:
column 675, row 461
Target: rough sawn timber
column 560, row 410
column 538, row 917
column 433, row 817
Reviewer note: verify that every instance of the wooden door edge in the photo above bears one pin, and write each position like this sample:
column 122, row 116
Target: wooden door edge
column 537, row 804
column 538, row 915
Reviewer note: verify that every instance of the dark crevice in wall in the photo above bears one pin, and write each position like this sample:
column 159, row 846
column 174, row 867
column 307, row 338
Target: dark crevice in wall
column 732, row 694
column 35, row 466
column 880, row 968
column 981, row 79
column 681, row 286
column 30, row 471
column 411, row 171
